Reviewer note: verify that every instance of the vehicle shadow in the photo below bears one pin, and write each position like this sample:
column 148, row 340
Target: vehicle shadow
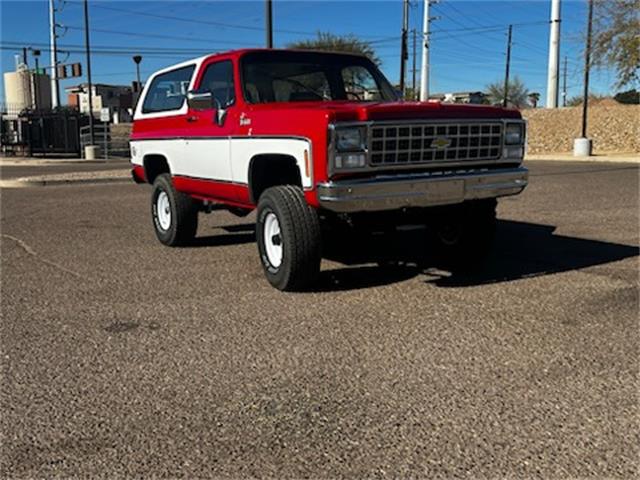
column 521, row 250
column 236, row 235
column 222, row 240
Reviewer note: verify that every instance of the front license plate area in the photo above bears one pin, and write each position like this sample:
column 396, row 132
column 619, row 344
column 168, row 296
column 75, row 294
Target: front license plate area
column 449, row 190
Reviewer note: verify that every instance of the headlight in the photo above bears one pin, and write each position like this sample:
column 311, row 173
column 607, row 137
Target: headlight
column 514, row 134
column 350, row 139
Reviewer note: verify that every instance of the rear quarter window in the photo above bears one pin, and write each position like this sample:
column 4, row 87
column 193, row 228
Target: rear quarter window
column 168, row 90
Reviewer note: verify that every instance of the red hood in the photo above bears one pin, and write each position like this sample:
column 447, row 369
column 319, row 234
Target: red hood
column 357, row 111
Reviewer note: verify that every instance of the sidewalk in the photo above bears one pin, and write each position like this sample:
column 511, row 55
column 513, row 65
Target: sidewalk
column 604, row 157
column 38, row 161
column 69, row 178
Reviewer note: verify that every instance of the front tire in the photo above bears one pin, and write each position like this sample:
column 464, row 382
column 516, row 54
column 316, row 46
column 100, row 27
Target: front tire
column 174, row 214
column 288, row 237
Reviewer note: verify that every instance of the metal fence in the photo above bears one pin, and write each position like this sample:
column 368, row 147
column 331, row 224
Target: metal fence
column 46, row 133
column 110, row 146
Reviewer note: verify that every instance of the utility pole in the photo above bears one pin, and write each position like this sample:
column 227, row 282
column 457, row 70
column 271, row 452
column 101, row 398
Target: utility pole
column 506, row 73
column 89, row 86
column 564, row 83
column 403, row 48
column 554, row 56
column 424, row 73
column 587, row 66
column 413, row 70
column 55, row 86
column 269, row 23
column 582, row 145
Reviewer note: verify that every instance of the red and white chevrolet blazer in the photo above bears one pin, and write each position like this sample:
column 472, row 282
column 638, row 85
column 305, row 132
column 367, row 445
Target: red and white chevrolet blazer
column 315, row 140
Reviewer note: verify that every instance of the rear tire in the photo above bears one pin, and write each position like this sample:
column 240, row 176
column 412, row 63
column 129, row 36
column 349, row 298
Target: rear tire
column 174, row 214
column 464, row 234
column 288, row 237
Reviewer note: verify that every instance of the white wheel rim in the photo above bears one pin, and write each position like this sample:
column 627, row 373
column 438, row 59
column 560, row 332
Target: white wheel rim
column 272, row 240
column 163, row 211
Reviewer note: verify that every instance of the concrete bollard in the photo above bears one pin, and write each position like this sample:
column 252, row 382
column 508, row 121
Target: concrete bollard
column 91, row 152
column 582, row 147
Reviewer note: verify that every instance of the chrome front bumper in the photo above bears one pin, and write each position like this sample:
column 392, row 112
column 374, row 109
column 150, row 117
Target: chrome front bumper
column 420, row 190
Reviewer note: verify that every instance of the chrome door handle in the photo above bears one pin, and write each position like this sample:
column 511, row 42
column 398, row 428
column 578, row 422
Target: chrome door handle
column 192, row 119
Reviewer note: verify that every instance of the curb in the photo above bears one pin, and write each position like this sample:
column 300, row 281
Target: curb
column 58, row 182
column 39, row 162
column 631, row 158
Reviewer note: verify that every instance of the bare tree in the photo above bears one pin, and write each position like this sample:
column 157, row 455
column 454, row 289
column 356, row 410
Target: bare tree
column 616, row 39
column 338, row 43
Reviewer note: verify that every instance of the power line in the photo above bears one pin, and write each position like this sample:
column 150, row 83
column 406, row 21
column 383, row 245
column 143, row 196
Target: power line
column 210, row 22
column 457, row 22
column 155, row 35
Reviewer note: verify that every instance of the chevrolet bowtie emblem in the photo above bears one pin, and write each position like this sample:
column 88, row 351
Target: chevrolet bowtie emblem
column 440, row 143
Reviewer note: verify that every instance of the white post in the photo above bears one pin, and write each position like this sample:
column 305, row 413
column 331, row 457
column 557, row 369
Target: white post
column 55, row 101
column 424, row 68
column 554, row 56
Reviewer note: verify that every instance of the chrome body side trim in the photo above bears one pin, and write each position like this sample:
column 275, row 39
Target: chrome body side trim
column 420, row 190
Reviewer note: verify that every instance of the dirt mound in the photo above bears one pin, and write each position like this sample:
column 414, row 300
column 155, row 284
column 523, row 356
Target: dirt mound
column 613, row 127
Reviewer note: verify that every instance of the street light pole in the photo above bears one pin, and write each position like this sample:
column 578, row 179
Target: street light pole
column 137, row 59
column 89, row 86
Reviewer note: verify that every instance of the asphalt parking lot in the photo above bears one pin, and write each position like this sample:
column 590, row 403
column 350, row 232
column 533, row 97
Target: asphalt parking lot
column 122, row 358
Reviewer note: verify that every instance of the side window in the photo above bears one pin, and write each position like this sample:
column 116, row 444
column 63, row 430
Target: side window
column 359, row 84
column 218, row 79
column 167, row 90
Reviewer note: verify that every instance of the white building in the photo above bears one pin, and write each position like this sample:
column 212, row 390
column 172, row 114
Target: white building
column 117, row 99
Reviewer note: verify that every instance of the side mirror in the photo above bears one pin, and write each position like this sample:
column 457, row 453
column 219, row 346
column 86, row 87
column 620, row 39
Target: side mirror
column 200, row 100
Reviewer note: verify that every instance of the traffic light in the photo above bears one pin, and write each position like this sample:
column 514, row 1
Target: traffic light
column 61, row 71
column 76, row 69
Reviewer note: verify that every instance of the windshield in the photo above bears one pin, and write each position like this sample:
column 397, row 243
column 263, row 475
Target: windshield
column 280, row 76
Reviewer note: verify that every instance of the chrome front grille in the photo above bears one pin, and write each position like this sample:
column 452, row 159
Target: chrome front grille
column 393, row 144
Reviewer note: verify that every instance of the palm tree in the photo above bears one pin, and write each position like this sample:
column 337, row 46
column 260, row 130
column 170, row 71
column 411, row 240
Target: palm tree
column 517, row 93
column 534, row 98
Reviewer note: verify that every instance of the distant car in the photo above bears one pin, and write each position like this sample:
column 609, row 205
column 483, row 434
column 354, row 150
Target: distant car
column 314, row 140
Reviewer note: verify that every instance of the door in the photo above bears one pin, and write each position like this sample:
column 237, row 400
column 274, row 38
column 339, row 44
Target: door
column 208, row 132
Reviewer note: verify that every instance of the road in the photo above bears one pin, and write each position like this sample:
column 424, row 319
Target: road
column 122, row 358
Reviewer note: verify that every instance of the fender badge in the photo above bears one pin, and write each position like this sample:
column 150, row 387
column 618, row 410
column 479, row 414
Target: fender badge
column 244, row 121
column 440, row 143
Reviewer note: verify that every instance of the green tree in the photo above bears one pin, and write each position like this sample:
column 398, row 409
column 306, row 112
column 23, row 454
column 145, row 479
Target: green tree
column 616, row 38
column 631, row 97
column 338, row 43
column 534, row 98
column 517, row 93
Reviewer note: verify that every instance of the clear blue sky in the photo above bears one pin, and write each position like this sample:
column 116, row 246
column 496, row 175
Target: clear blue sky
column 464, row 55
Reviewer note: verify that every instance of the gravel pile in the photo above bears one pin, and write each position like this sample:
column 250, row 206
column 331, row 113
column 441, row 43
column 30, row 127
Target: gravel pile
column 612, row 127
